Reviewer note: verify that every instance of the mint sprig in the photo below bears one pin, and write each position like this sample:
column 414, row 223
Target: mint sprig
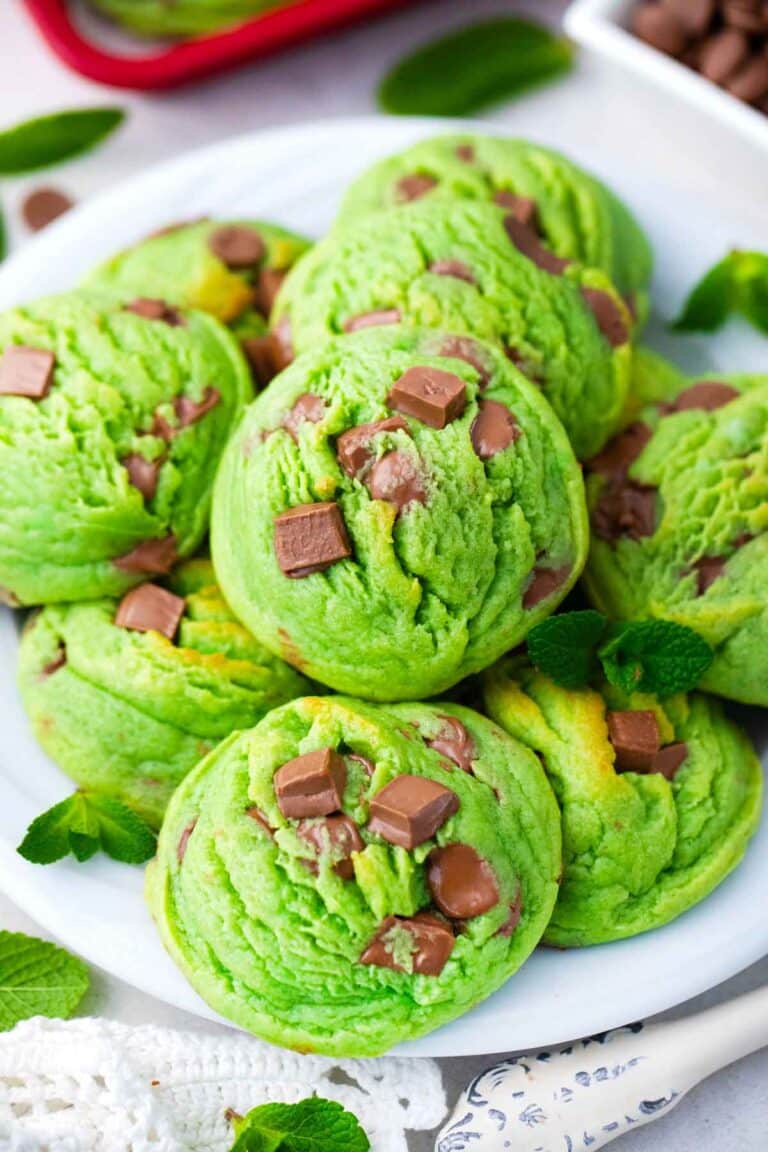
column 737, row 284
column 474, row 66
column 656, row 656
column 313, row 1125
column 37, row 978
column 84, row 824
column 49, row 140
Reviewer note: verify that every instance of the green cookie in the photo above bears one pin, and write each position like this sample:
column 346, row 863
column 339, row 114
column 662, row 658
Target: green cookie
column 128, row 713
column 422, row 553
column 576, row 216
column 181, row 17
column 679, row 507
column 456, row 265
column 111, row 428
column 640, row 846
column 335, row 933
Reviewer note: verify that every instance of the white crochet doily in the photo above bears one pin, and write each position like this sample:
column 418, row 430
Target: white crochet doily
column 93, row 1086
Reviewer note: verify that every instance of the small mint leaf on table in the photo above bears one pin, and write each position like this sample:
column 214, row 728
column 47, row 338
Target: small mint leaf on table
column 656, row 656
column 474, row 66
column 37, row 979
column 49, row 140
column 564, row 647
column 737, row 284
column 83, row 824
column 313, row 1125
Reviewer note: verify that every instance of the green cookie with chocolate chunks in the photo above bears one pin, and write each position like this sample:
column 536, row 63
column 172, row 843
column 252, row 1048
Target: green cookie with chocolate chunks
column 472, row 267
column 396, row 511
column 659, row 798
column 679, row 506
column 127, row 713
column 111, row 429
column 345, row 877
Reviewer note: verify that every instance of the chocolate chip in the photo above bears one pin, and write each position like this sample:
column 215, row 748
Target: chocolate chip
column 307, row 408
column 142, row 473
column 620, row 453
column 515, row 912
column 431, row 395
column 635, row 739
column 44, row 205
column 722, row 54
column 466, row 152
column 353, row 447
column 377, row 319
column 410, row 809
column 189, row 411
column 669, row 760
column 396, row 479
column 181, row 848
column 493, row 429
column 336, row 834
column 625, row 509
column 693, row 16
column 466, row 349
column 265, row 291
column 453, row 268
column 256, row 814
column 523, row 208
column 527, row 242
column 750, row 82
column 454, row 742
column 413, row 187
column 708, row 570
column 150, row 608
column 433, row 943
column 263, row 357
column 461, row 883
column 657, row 26
column 707, row 395
column 59, row 661
column 608, row 316
column 282, row 343
column 151, row 309
column 236, row 246
column 155, row 557
column 311, row 785
column 310, row 538
column 26, row 371
column 543, row 583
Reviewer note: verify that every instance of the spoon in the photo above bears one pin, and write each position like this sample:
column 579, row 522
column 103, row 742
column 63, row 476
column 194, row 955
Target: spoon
column 580, row 1097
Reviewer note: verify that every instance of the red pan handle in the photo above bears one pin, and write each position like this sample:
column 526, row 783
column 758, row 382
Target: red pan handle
column 203, row 56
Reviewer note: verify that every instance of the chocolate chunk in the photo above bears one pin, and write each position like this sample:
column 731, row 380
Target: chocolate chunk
column 189, row 411
column 307, row 408
column 669, row 760
column 657, row 26
column 337, row 834
column 693, row 16
column 236, row 246
column 466, row 152
column 433, row 943
column 150, row 608
column 722, row 54
column 155, row 557
column 282, row 343
column 750, row 82
column 256, row 814
column 266, row 288
column 493, row 429
column 44, row 205
column 461, row 883
column 353, row 448
column 151, row 309
column 515, row 912
column 527, row 242
column 708, row 569
column 453, row 268
column 454, row 741
column 59, row 661
column 523, row 208
column 311, row 785
column 635, row 738
column 608, row 316
column 26, row 371
column 413, row 187
column 142, row 473
column 431, row 395
column 410, row 809
column 263, row 357
column 625, row 509
column 543, row 583
column 620, row 453
column 376, row 319
column 310, row 538
column 707, row 396
column 181, row 848
column 396, row 479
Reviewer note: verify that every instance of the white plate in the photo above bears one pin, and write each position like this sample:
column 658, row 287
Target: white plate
column 296, row 176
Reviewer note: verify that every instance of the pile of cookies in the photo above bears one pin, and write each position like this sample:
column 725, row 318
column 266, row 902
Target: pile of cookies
column 454, row 423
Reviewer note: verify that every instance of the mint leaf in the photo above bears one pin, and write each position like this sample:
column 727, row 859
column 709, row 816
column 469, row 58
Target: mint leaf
column 311, row 1126
column 738, row 284
column 474, row 66
column 37, row 979
column 564, row 647
column 49, row 140
column 83, row 824
column 655, row 656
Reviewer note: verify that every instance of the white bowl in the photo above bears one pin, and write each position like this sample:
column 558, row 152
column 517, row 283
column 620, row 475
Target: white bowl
column 603, row 26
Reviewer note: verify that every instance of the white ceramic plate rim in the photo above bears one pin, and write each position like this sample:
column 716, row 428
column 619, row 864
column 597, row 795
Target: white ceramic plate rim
column 295, row 175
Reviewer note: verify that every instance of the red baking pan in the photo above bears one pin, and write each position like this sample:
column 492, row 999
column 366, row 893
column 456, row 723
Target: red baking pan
column 203, row 56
